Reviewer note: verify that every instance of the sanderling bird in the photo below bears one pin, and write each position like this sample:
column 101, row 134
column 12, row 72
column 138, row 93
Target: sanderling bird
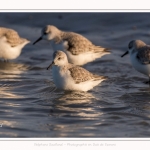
column 69, row 77
column 11, row 44
column 140, row 56
column 78, row 49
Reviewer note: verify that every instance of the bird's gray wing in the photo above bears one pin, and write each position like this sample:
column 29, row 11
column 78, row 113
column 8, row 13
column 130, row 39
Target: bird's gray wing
column 144, row 55
column 78, row 44
column 80, row 74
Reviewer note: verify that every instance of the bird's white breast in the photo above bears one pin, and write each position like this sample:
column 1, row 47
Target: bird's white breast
column 61, row 77
column 143, row 68
column 64, row 81
column 8, row 52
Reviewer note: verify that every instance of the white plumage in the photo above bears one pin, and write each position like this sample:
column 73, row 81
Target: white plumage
column 78, row 49
column 140, row 56
column 11, row 43
column 69, row 77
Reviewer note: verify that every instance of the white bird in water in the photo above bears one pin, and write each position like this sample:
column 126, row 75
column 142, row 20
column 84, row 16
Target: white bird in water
column 78, row 49
column 69, row 77
column 11, row 44
column 140, row 56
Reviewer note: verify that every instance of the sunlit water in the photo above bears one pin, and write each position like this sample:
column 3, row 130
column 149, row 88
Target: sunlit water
column 30, row 104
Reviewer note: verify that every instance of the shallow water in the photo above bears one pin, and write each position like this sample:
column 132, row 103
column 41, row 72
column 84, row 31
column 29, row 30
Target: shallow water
column 30, row 104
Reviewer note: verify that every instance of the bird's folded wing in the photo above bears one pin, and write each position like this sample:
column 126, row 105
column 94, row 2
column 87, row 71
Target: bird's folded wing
column 12, row 36
column 78, row 44
column 80, row 74
column 144, row 55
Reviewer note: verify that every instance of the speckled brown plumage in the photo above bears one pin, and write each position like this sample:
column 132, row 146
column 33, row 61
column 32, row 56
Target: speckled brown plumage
column 79, row 44
column 81, row 75
column 144, row 55
column 12, row 36
column 78, row 74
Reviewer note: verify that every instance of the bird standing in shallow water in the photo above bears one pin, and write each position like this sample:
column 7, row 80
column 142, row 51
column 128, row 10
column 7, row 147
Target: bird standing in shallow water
column 69, row 77
column 140, row 56
column 78, row 49
column 11, row 44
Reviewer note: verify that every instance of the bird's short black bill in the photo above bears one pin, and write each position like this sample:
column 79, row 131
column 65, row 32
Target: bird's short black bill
column 39, row 39
column 125, row 54
column 50, row 65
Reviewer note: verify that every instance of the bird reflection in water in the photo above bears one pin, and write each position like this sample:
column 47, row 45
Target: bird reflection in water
column 10, row 74
column 72, row 103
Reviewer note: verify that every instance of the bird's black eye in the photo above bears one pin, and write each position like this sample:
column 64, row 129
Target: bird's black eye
column 59, row 58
